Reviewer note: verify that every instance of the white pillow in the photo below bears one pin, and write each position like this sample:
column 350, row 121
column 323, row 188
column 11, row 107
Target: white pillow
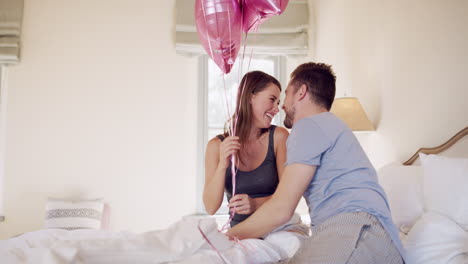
column 445, row 186
column 73, row 215
column 436, row 239
column 403, row 186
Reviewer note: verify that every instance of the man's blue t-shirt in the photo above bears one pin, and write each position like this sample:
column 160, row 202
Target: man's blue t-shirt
column 345, row 180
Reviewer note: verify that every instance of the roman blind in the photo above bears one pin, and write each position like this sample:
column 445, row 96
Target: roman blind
column 286, row 34
column 11, row 16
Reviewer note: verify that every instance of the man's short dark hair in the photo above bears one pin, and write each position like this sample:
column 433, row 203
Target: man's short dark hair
column 319, row 79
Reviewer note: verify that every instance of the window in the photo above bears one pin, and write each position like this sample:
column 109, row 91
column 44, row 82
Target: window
column 219, row 90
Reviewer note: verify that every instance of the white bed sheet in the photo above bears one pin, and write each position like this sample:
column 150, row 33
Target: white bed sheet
column 180, row 243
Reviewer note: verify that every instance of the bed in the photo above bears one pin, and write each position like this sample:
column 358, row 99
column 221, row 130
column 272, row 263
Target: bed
column 182, row 242
column 428, row 197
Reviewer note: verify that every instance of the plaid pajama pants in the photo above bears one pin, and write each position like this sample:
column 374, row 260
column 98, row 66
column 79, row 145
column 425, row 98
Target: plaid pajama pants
column 348, row 238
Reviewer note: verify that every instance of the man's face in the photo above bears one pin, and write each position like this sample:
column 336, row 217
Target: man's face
column 288, row 106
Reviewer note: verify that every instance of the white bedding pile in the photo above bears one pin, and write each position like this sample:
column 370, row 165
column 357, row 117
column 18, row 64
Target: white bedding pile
column 436, row 239
column 429, row 204
column 180, row 243
column 440, row 236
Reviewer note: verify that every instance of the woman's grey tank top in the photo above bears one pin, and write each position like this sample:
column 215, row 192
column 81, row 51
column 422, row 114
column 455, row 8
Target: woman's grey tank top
column 259, row 182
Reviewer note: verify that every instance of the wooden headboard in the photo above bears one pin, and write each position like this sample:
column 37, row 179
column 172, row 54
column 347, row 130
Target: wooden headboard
column 457, row 146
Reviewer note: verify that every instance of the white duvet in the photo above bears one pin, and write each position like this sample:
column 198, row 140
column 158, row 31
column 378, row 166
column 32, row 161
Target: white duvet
column 436, row 239
column 180, row 243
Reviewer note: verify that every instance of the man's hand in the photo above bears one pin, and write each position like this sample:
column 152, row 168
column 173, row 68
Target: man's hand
column 279, row 209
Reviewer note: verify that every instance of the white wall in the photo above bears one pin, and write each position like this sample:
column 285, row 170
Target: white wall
column 101, row 106
column 406, row 61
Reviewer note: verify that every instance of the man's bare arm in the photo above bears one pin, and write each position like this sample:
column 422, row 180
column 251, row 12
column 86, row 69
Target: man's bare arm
column 279, row 209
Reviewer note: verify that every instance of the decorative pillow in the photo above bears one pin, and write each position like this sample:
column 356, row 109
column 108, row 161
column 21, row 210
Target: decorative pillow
column 73, row 215
column 436, row 239
column 403, row 186
column 445, row 186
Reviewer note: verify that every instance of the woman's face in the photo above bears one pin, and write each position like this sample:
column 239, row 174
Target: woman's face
column 265, row 106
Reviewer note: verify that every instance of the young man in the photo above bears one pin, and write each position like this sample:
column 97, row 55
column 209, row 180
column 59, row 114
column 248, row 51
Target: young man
column 350, row 216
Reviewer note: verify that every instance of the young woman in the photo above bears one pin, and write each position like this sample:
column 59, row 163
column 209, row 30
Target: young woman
column 259, row 146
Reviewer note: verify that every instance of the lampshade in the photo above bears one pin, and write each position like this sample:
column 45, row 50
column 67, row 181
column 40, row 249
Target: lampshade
column 351, row 112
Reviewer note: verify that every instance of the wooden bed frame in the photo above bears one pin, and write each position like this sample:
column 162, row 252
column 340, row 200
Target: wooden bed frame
column 439, row 149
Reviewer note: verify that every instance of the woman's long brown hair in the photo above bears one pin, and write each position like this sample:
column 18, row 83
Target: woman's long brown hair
column 253, row 82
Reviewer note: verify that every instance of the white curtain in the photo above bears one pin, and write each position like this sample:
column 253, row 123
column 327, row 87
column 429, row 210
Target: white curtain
column 280, row 35
column 11, row 16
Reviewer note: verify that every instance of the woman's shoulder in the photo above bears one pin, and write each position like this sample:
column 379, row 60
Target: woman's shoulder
column 215, row 141
column 213, row 145
column 281, row 133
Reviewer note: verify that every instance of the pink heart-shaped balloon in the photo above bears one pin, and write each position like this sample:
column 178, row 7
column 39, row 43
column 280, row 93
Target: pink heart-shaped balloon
column 219, row 30
column 255, row 12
